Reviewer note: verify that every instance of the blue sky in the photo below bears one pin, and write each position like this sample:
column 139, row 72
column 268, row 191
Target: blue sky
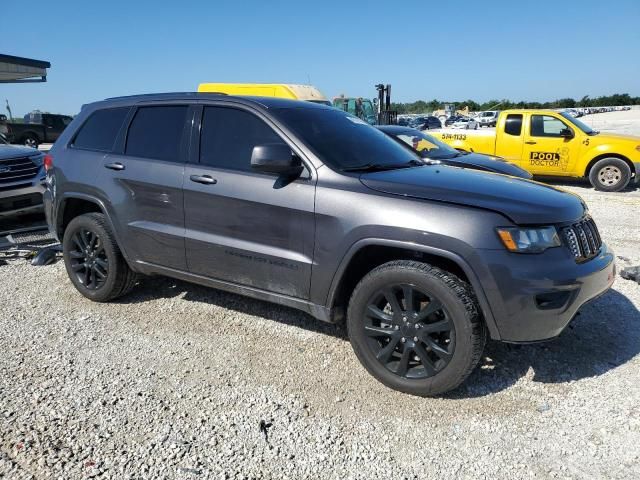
column 479, row 49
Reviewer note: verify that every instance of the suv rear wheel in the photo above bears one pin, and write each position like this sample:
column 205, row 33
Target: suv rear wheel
column 415, row 328
column 93, row 259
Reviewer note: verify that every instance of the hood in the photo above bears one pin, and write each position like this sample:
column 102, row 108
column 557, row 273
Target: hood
column 616, row 137
column 522, row 201
column 494, row 164
column 14, row 151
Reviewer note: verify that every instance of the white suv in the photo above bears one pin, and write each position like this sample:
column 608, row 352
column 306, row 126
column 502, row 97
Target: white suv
column 488, row 118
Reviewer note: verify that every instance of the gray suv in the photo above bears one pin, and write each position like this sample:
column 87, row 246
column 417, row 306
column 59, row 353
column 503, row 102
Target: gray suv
column 310, row 207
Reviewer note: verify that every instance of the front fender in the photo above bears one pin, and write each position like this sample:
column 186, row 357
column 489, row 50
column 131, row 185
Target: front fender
column 604, row 150
column 471, row 274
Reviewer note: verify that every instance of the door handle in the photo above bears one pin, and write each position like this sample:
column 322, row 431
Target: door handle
column 204, row 179
column 530, row 142
column 114, row 166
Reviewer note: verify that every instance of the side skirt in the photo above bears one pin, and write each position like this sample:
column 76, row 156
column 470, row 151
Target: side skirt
column 319, row 312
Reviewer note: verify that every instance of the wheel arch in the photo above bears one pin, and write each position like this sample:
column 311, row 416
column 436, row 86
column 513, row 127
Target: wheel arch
column 609, row 155
column 367, row 254
column 73, row 204
column 29, row 134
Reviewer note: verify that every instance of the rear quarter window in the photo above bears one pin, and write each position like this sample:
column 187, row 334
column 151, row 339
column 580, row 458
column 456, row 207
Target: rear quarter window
column 513, row 124
column 100, row 130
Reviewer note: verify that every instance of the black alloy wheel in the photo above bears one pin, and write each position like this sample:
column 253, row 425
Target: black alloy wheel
column 409, row 331
column 93, row 259
column 88, row 259
column 415, row 327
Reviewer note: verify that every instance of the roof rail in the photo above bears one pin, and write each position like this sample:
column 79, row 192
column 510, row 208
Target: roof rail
column 163, row 95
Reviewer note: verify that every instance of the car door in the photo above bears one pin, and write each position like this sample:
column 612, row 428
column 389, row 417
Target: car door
column 546, row 151
column 244, row 227
column 49, row 128
column 143, row 182
column 510, row 139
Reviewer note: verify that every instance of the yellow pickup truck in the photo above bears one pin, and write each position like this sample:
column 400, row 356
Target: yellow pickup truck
column 292, row 91
column 550, row 143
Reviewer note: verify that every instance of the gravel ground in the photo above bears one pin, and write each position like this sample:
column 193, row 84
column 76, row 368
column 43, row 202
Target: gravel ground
column 180, row 381
column 175, row 380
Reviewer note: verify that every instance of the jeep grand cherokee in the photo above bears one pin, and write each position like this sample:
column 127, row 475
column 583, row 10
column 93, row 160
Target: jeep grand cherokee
column 310, row 207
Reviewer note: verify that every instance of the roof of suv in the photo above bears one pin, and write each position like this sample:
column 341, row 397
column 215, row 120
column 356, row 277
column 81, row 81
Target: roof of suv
column 265, row 102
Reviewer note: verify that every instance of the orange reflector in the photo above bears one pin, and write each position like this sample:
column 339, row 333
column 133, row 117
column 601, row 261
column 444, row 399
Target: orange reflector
column 507, row 239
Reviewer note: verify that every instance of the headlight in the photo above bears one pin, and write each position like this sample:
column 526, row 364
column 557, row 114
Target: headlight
column 37, row 159
column 529, row 240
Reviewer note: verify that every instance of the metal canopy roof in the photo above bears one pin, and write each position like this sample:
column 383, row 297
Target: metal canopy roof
column 22, row 70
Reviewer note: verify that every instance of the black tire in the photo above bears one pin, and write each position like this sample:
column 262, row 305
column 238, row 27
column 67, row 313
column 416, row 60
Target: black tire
column 109, row 276
column 30, row 140
column 454, row 305
column 610, row 175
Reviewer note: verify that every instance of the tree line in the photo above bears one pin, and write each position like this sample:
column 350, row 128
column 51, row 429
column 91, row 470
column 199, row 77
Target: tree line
column 615, row 100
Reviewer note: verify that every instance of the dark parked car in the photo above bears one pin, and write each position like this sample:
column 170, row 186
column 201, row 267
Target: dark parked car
column 310, row 207
column 430, row 148
column 426, row 123
column 21, row 180
column 453, row 119
column 38, row 128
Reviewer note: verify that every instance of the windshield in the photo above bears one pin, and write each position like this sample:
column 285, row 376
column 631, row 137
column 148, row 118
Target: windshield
column 367, row 108
column 582, row 126
column 427, row 145
column 341, row 140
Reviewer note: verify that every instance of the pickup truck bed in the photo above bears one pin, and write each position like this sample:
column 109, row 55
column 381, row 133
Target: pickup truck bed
column 33, row 134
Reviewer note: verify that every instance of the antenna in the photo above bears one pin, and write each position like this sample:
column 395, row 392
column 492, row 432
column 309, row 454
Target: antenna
column 9, row 110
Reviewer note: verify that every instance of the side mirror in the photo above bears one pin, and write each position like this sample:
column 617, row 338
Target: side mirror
column 276, row 158
column 566, row 133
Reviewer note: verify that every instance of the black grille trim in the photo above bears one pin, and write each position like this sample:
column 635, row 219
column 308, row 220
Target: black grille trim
column 582, row 239
column 16, row 169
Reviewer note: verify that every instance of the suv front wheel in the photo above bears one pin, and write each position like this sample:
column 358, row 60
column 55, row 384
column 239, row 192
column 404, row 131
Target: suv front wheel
column 93, row 259
column 415, row 327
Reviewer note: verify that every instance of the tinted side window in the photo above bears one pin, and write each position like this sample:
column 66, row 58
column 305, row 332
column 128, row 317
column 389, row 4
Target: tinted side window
column 229, row 135
column 546, row 126
column 156, row 132
column 54, row 122
column 513, row 124
column 100, row 130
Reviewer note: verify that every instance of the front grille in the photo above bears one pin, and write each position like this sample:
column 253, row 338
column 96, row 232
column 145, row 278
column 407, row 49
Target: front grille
column 17, row 169
column 582, row 239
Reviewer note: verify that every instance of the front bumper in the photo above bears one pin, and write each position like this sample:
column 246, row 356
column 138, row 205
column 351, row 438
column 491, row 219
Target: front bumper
column 636, row 179
column 534, row 297
column 22, row 199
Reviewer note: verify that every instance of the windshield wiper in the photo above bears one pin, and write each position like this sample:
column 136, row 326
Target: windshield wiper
column 379, row 167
